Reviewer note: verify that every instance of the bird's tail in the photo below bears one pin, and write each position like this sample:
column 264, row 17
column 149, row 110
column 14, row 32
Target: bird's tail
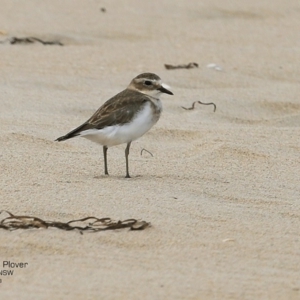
column 62, row 138
column 74, row 132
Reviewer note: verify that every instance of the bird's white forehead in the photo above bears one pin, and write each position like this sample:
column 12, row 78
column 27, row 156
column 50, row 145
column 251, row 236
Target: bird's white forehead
column 165, row 86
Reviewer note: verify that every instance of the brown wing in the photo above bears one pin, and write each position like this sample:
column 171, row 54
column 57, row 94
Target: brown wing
column 118, row 110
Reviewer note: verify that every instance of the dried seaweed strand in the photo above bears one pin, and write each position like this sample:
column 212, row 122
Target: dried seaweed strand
column 14, row 222
column 194, row 103
column 30, row 40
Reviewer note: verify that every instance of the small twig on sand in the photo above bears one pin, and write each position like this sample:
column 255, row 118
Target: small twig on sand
column 146, row 151
column 194, row 103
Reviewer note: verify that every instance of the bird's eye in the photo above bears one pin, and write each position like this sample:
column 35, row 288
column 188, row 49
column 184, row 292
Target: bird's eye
column 147, row 82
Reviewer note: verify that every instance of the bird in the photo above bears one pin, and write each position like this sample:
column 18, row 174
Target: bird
column 125, row 117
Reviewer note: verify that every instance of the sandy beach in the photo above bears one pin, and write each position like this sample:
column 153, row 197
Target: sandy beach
column 222, row 188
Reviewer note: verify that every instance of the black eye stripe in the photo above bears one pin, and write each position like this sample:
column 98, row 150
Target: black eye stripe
column 148, row 82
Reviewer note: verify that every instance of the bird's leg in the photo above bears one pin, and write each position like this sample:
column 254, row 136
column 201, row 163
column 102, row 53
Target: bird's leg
column 126, row 156
column 105, row 159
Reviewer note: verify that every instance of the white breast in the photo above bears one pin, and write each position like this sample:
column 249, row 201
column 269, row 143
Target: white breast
column 119, row 134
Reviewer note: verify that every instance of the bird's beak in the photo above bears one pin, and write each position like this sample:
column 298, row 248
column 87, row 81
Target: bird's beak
column 164, row 90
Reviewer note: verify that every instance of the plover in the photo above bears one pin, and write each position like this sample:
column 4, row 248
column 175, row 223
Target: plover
column 125, row 117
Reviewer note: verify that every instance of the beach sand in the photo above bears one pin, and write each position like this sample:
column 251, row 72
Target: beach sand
column 221, row 190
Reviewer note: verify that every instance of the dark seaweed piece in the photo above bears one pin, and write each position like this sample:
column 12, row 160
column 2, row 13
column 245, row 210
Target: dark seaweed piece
column 30, row 40
column 187, row 66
